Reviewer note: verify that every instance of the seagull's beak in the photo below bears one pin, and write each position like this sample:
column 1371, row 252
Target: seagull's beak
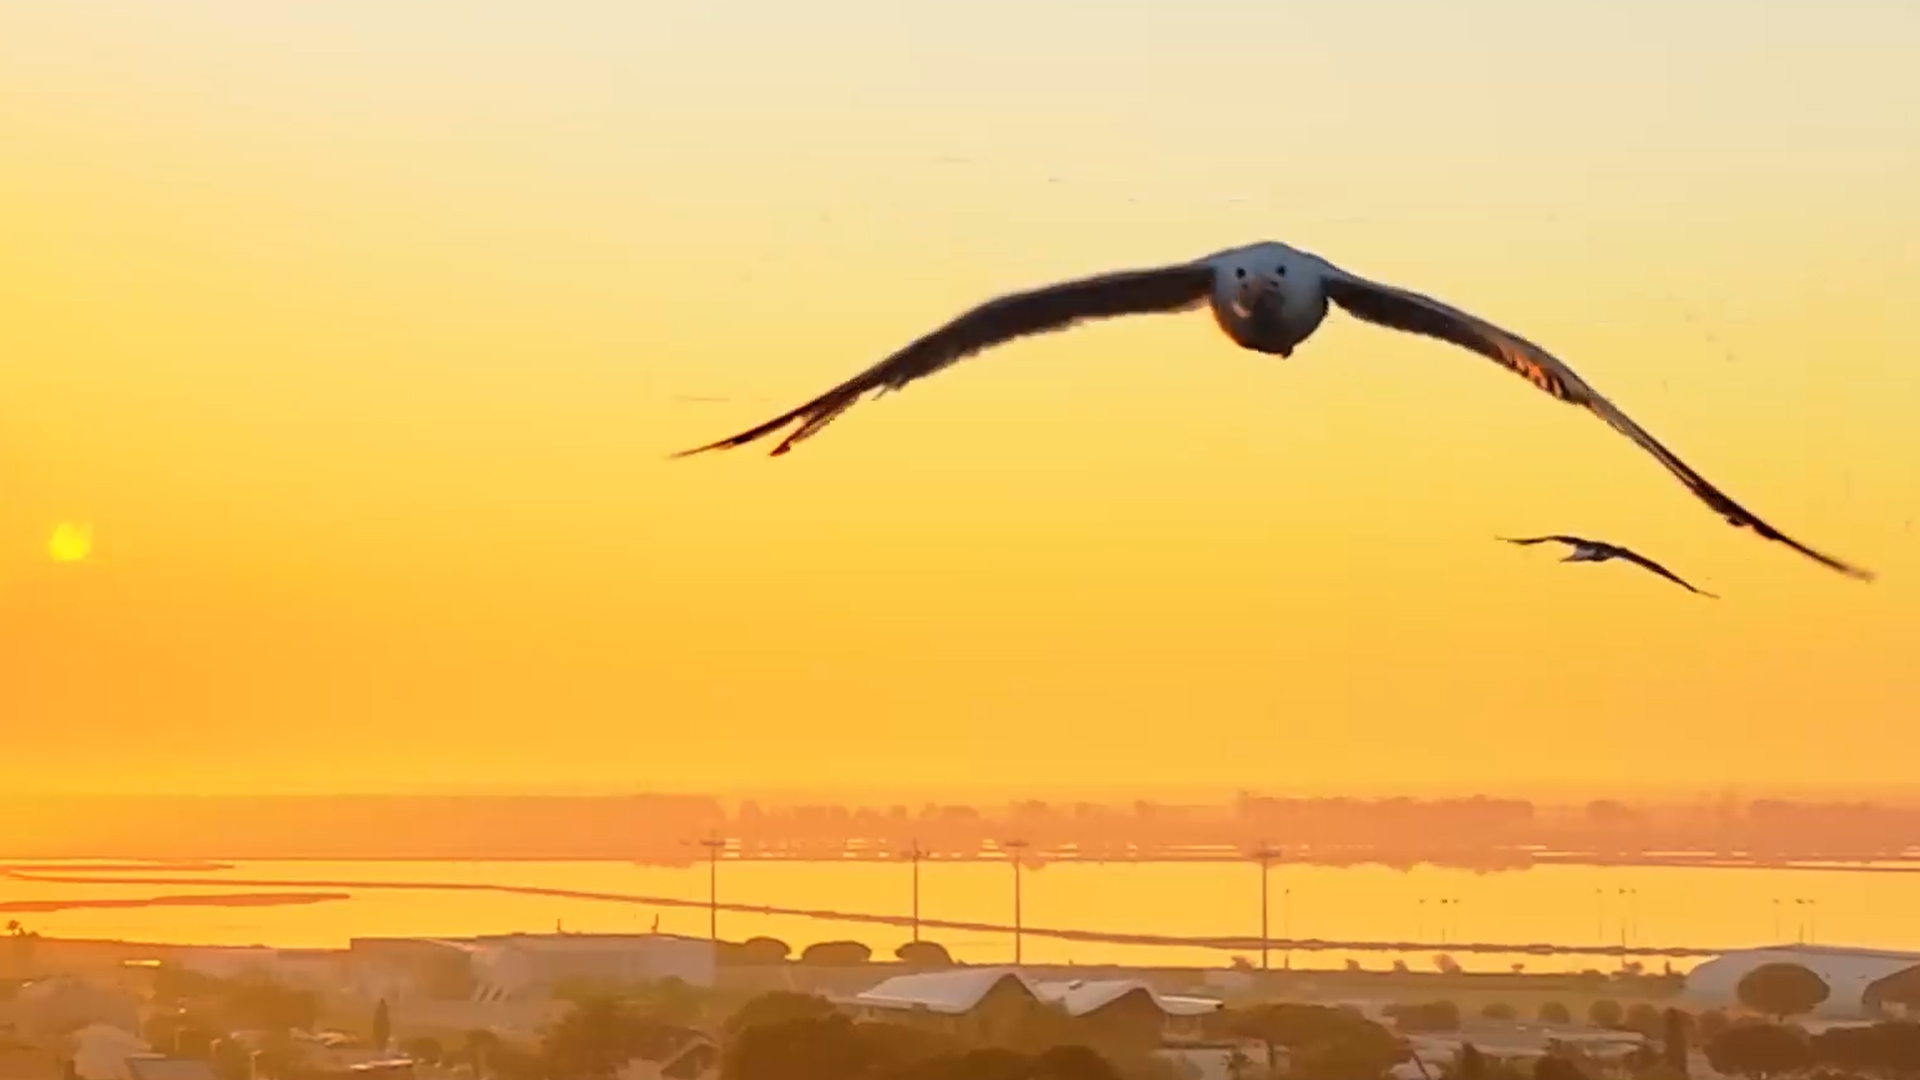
column 1251, row 294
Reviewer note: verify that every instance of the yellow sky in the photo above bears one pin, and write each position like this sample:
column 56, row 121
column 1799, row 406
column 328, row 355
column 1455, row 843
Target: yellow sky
column 359, row 332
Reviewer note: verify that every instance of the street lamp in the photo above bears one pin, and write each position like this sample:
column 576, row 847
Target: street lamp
column 1013, row 848
column 914, row 853
column 713, row 844
column 1266, row 855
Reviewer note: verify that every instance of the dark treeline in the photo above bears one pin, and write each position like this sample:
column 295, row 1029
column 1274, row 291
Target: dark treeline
column 1481, row 833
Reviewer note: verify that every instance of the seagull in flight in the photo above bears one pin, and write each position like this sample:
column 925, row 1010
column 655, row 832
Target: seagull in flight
column 1600, row 551
column 1267, row 297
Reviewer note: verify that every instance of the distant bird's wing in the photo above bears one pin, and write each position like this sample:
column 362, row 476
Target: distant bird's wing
column 1574, row 541
column 1038, row 311
column 1641, row 560
column 1416, row 314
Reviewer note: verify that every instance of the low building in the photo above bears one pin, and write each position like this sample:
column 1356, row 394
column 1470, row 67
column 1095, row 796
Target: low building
column 1854, row 977
column 400, row 969
column 513, row 965
column 979, row 996
column 60, row 1003
column 100, row 1051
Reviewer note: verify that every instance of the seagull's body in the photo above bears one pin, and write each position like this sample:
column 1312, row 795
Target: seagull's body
column 1600, row 551
column 1267, row 297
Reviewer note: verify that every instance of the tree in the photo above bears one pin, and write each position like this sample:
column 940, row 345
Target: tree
column 1552, row 1012
column 425, row 1049
column 596, row 1038
column 1556, row 1067
column 1643, row 1019
column 924, row 954
column 229, row 1059
column 1758, row 1050
column 23, row 942
column 1322, row 1042
column 1429, row 1016
column 1674, row 1044
column 832, row 1047
column 1472, row 1064
column 1604, row 1013
column 1782, row 989
column 835, row 954
column 1710, row 1023
column 671, row 1000
column 478, row 1048
column 759, row 951
column 1888, row 1048
column 774, row 1007
column 382, row 1025
column 1072, row 1062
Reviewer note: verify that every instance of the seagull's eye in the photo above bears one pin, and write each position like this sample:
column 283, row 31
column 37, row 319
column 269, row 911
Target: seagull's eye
column 1279, row 271
column 1239, row 271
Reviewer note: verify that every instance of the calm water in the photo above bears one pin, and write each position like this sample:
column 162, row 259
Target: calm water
column 1651, row 906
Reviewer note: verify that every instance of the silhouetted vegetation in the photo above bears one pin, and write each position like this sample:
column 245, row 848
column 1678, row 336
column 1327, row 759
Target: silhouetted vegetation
column 1426, row 1016
column 753, row 951
column 1321, row 1041
column 1643, row 1019
column 424, row 1048
column 1605, row 1013
column 1676, row 1041
column 1781, row 990
column 925, row 955
column 1553, row 1012
column 1888, row 1049
column 595, row 1038
column 836, row 954
column 1759, row 1050
column 774, row 1007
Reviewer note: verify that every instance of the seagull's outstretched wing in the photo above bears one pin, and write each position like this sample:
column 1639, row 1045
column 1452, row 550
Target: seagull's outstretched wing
column 1572, row 541
column 1641, row 560
column 1417, row 314
column 1038, row 311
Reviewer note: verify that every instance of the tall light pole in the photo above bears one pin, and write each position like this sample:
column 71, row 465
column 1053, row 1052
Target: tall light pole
column 914, row 853
column 1266, row 855
column 713, row 844
column 1286, row 924
column 1013, row 848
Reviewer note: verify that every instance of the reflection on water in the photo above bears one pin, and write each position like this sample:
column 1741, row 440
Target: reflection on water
column 1570, row 905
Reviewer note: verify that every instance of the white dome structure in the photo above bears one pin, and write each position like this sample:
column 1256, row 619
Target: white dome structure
column 1850, row 974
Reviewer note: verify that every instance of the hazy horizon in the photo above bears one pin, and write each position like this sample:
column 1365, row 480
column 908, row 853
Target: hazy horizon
column 1545, row 794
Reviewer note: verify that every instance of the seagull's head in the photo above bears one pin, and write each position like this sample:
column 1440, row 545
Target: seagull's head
column 1269, row 298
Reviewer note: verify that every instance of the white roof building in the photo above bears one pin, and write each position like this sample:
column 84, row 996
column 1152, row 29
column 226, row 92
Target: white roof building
column 1851, row 975
column 950, row 993
column 959, row 990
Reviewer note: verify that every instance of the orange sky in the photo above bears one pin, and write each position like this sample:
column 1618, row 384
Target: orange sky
column 359, row 333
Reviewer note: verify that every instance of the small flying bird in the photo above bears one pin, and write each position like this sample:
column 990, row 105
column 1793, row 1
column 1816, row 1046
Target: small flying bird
column 1599, row 551
column 1266, row 297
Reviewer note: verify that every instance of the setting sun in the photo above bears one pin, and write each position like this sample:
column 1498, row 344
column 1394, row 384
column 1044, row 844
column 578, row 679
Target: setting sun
column 70, row 542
